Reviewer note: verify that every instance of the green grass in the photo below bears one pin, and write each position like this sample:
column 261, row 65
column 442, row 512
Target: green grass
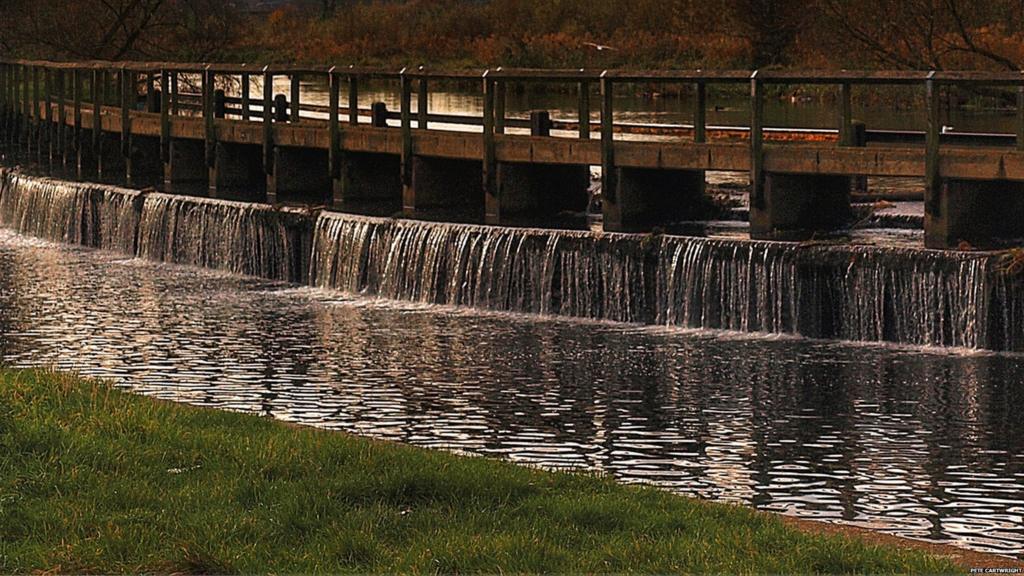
column 96, row 480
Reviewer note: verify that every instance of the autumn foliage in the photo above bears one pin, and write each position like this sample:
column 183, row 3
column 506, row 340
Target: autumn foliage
column 921, row 34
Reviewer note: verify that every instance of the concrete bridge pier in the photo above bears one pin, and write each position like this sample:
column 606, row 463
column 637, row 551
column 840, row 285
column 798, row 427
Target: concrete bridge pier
column 368, row 184
column 444, row 188
column 299, row 174
column 238, row 173
column 537, row 194
column 86, row 163
column 68, row 152
column 974, row 214
column 797, row 206
column 144, row 168
column 645, row 198
column 112, row 166
column 185, row 169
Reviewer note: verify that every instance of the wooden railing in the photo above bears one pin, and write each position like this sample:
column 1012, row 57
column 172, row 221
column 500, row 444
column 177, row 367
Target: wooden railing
column 25, row 85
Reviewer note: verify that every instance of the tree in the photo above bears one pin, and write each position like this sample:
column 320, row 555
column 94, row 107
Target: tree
column 930, row 34
column 770, row 26
column 121, row 29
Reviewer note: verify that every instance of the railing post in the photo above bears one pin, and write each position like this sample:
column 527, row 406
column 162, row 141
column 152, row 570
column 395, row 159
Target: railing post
column 127, row 101
column 50, row 128
column 281, row 108
column 26, row 104
column 931, row 162
column 422, row 109
column 851, row 134
column 334, row 86
column 353, row 99
column 9, row 100
column 174, row 93
column 245, row 96
column 700, row 112
column 500, row 92
column 584, row 106
column 151, row 101
column 757, row 196
column 8, row 89
column 99, row 91
column 489, row 158
column 21, row 107
column 1020, row 117
column 37, row 124
column 76, row 79
column 29, row 115
column 15, row 109
column 18, row 119
column 4, row 97
column 268, row 121
column 379, row 115
column 540, row 123
column 608, row 183
column 220, row 103
column 845, row 115
column 165, row 116
column 406, row 114
column 294, row 99
column 3, row 102
column 210, row 132
column 62, row 113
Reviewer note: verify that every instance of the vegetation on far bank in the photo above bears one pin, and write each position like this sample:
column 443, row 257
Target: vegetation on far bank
column 97, row 480
column 901, row 34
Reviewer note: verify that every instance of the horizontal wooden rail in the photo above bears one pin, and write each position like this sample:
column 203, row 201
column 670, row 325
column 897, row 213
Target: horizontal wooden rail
column 807, row 76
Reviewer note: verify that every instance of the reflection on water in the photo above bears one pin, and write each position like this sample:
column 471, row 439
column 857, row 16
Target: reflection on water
column 908, row 441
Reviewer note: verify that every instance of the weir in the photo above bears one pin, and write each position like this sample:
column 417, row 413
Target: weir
column 970, row 300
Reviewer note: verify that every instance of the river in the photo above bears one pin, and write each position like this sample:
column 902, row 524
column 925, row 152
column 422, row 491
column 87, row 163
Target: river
column 915, row 441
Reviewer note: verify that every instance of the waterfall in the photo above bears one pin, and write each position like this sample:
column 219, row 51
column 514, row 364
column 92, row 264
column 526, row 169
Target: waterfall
column 922, row 297
column 240, row 237
column 833, row 291
column 517, row 269
column 245, row 238
column 86, row 214
column 826, row 291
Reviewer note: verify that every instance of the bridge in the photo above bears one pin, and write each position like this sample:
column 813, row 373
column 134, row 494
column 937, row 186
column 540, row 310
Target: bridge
column 137, row 120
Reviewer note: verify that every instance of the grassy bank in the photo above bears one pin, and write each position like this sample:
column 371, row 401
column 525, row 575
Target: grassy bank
column 95, row 480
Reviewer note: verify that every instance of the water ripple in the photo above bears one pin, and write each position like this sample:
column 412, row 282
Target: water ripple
column 924, row 445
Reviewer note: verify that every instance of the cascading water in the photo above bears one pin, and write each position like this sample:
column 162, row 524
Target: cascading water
column 518, row 269
column 828, row 291
column 85, row 214
column 245, row 238
column 843, row 292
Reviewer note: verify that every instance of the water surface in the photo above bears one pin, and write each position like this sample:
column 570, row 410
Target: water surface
column 916, row 442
